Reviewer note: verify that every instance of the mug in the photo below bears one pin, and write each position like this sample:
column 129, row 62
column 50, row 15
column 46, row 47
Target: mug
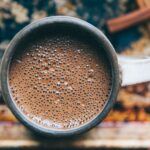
column 125, row 71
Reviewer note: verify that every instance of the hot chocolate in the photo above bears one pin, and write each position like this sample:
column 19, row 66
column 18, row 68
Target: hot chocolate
column 60, row 81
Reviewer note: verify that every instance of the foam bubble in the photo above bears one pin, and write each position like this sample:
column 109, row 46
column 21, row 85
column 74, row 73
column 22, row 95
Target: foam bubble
column 60, row 82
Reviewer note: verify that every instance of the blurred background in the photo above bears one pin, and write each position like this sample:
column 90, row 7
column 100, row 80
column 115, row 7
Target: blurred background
column 128, row 124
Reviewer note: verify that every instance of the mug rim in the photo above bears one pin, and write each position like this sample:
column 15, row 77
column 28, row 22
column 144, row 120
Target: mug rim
column 4, row 73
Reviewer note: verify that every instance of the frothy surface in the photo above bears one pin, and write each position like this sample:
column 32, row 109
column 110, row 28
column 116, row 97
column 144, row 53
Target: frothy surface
column 60, row 82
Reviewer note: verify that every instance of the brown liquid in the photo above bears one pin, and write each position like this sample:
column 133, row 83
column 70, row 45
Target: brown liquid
column 60, row 82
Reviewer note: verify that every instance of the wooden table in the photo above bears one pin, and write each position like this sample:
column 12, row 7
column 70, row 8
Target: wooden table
column 106, row 135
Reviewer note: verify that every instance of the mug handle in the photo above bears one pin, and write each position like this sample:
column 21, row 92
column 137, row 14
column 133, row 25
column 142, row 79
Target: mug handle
column 134, row 70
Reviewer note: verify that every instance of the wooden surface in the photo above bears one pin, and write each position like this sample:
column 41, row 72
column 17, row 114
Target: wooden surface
column 108, row 135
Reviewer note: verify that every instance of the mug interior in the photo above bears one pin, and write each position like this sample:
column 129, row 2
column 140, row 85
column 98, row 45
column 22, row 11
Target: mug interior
column 48, row 26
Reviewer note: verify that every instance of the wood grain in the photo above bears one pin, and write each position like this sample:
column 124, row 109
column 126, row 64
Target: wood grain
column 108, row 135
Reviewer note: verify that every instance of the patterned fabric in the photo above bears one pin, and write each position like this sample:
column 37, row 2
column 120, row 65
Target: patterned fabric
column 15, row 14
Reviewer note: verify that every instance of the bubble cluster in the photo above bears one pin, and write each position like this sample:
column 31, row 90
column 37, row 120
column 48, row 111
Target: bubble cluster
column 60, row 82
